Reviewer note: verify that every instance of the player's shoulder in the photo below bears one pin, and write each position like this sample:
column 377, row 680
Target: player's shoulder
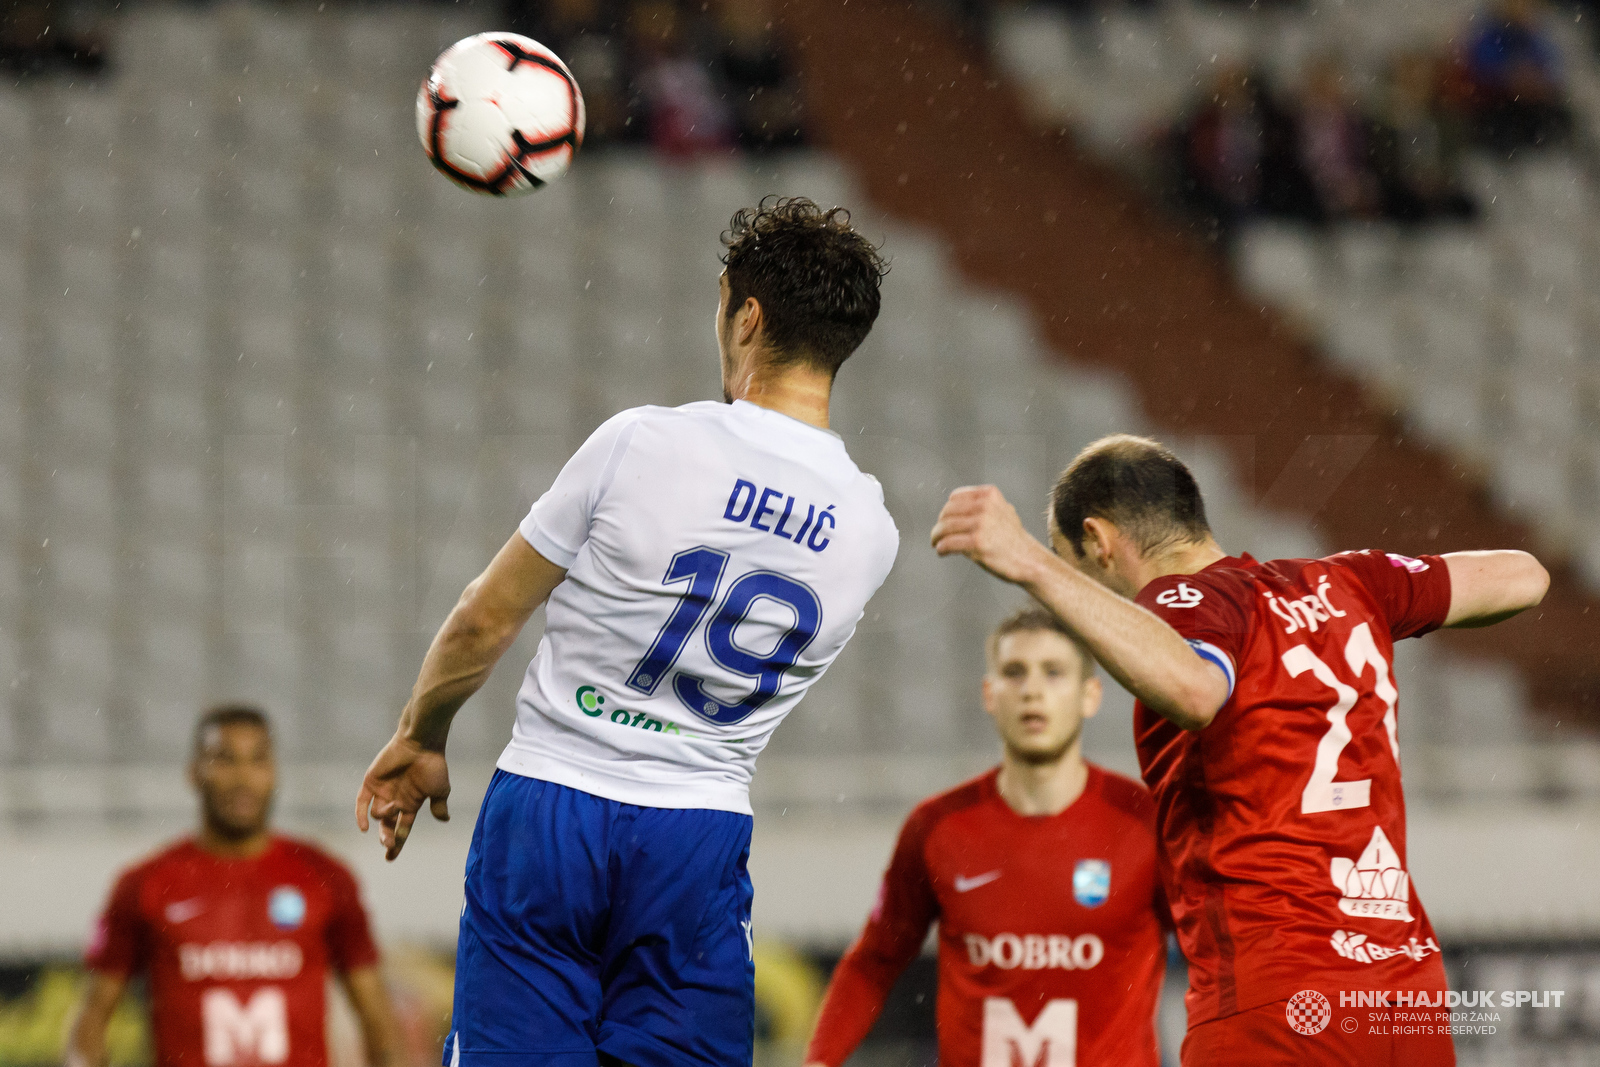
column 1122, row 793
column 936, row 809
column 1367, row 561
column 317, row 861
column 172, row 855
column 1228, row 581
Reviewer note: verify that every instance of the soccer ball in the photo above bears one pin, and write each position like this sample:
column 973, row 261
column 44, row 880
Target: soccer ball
column 500, row 114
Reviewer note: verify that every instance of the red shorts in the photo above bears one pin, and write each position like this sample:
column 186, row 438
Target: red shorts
column 1263, row 1037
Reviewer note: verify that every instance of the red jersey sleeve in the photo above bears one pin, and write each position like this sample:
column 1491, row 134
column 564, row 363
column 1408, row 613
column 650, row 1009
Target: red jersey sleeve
column 893, row 936
column 1414, row 594
column 1208, row 611
column 118, row 944
column 348, row 934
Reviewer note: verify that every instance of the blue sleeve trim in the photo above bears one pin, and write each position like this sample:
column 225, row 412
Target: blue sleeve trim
column 1213, row 654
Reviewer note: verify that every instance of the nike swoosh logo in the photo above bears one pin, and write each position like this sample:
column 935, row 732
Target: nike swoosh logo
column 966, row 885
column 184, row 910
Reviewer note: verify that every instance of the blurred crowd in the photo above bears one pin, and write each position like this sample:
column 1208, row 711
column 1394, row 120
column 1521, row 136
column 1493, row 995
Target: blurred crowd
column 1321, row 150
column 36, row 38
column 685, row 78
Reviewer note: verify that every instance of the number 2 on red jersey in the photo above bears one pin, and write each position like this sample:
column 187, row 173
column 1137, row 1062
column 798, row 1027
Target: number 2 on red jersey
column 1322, row 793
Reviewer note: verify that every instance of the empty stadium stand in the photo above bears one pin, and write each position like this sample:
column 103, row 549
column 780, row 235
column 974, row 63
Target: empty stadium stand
column 273, row 391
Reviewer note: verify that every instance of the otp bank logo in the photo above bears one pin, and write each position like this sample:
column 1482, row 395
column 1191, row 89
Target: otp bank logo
column 1035, row 952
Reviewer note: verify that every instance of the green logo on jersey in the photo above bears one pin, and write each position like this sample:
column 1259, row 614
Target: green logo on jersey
column 590, row 701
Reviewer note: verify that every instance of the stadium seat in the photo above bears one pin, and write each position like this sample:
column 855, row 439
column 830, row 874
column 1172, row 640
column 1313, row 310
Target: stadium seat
column 1453, row 339
column 1545, row 338
column 177, row 410
column 1550, row 265
column 171, row 349
column 1281, row 263
column 76, row 684
column 264, row 666
column 1478, row 698
column 1536, row 482
column 1454, row 262
column 1033, row 43
column 1453, row 412
column 267, row 274
column 361, row 410
column 1556, row 188
column 360, row 276
column 1366, row 336
column 1368, row 256
column 176, row 279
column 169, row 682
column 1545, row 409
column 366, row 192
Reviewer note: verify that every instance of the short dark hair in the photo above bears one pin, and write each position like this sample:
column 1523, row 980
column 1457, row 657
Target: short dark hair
column 1033, row 619
column 817, row 279
column 229, row 715
column 1136, row 483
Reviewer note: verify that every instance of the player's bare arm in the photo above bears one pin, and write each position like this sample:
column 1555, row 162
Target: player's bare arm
column 1490, row 587
column 1140, row 651
column 411, row 769
column 370, row 999
column 86, row 1041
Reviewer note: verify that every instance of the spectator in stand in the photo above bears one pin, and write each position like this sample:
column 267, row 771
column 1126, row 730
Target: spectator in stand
column 1221, row 147
column 1235, row 157
column 1518, row 91
column 1333, row 146
column 584, row 34
column 29, row 47
column 759, row 77
column 1417, row 145
column 685, row 113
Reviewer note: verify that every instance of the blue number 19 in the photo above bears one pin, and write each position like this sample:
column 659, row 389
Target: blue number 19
column 702, row 568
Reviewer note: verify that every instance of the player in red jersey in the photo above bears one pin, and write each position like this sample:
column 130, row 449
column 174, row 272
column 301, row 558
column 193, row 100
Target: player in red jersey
column 236, row 929
column 1267, row 732
column 1042, row 877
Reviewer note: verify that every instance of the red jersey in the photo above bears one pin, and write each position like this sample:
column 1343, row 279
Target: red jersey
column 1282, row 823
column 1052, row 931
column 237, row 951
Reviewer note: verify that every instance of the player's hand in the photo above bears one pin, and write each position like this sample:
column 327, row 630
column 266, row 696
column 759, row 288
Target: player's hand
column 401, row 778
column 979, row 523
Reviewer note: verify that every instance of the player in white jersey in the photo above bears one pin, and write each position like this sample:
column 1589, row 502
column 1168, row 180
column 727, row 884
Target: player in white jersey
column 703, row 565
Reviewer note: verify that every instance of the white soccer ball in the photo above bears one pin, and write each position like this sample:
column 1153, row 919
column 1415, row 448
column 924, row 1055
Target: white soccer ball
column 500, row 114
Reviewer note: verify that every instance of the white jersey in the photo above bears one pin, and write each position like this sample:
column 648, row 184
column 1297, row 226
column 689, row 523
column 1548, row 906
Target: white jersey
column 718, row 557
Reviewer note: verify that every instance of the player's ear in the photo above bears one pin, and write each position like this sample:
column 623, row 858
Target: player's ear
column 988, row 693
column 1098, row 535
column 1093, row 693
column 747, row 321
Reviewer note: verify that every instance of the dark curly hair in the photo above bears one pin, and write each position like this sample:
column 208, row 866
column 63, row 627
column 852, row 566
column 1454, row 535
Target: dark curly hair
column 815, row 278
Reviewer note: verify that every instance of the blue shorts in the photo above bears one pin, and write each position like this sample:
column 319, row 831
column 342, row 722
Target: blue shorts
column 593, row 926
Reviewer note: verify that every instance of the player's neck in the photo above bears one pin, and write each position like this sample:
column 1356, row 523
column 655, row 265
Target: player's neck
column 1042, row 788
column 1184, row 559
column 796, row 390
column 227, row 847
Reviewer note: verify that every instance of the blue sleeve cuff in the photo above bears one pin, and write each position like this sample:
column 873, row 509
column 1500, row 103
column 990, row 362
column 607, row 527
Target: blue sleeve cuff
column 1211, row 653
